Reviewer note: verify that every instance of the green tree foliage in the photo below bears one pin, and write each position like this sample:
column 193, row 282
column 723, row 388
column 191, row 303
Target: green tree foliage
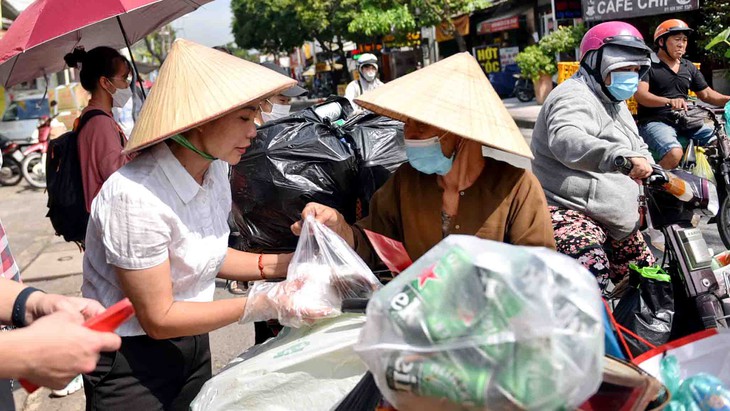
column 381, row 17
column 564, row 39
column 274, row 26
column 534, row 62
column 268, row 25
column 715, row 19
column 539, row 59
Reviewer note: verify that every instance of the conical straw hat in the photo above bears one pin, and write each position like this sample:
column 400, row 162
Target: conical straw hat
column 453, row 95
column 198, row 84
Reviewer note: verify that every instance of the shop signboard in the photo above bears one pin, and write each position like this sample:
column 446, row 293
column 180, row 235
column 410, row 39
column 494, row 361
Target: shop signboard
column 488, row 58
column 601, row 10
column 495, row 26
column 568, row 9
column 507, row 55
column 411, row 40
column 366, row 48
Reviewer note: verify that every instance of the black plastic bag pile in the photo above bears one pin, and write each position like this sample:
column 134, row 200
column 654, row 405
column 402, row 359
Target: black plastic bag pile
column 310, row 156
column 647, row 309
column 380, row 149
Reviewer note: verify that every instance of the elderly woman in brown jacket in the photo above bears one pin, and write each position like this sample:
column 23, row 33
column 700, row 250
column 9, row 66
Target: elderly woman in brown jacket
column 448, row 187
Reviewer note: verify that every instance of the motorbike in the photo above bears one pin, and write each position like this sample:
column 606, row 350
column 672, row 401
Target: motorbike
column 718, row 155
column 33, row 166
column 524, row 89
column 670, row 210
column 10, row 173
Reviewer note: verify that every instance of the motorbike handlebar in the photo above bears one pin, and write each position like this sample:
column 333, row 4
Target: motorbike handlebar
column 658, row 174
column 623, row 165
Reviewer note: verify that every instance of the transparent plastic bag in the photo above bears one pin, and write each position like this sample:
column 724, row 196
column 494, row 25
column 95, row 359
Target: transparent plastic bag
column 323, row 272
column 702, row 167
column 700, row 392
column 476, row 322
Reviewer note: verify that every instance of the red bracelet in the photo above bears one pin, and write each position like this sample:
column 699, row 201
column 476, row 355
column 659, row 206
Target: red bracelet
column 261, row 266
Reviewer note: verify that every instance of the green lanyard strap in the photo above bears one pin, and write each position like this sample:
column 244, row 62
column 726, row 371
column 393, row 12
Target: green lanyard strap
column 180, row 139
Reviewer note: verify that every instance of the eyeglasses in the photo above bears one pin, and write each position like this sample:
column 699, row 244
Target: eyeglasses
column 129, row 79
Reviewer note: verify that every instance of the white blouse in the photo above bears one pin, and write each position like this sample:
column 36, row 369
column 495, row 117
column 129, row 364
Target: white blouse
column 152, row 210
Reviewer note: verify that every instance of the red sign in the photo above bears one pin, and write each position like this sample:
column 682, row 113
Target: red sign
column 366, row 48
column 493, row 26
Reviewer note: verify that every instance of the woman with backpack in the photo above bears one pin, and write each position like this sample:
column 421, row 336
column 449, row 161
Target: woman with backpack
column 158, row 232
column 107, row 75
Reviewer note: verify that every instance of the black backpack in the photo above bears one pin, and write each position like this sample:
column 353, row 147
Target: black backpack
column 66, row 204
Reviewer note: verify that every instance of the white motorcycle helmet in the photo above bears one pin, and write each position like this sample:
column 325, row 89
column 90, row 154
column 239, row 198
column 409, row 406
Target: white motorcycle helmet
column 367, row 59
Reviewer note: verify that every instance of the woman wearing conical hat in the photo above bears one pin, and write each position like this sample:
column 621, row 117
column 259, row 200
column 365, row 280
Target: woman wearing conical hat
column 158, row 231
column 447, row 187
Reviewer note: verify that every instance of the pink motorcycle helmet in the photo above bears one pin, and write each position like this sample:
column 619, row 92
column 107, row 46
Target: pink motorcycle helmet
column 615, row 33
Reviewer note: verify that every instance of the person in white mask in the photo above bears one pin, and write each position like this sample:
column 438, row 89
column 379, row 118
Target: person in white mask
column 367, row 67
column 278, row 106
column 107, row 75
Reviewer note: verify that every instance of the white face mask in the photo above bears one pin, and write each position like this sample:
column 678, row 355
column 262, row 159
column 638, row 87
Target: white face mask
column 277, row 111
column 280, row 110
column 369, row 77
column 121, row 97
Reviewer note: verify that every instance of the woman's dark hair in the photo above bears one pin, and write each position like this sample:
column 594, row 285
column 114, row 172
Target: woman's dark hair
column 97, row 63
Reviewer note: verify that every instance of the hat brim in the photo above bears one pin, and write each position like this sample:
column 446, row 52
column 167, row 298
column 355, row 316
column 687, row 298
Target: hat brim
column 453, row 95
column 197, row 85
column 199, row 123
column 629, row 43
column 295, row 91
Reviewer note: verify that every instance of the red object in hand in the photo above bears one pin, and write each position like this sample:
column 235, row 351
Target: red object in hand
column 107, row 321
column 392, row 252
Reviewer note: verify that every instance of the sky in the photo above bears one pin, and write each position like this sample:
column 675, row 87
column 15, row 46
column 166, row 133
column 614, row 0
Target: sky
column 209, row 25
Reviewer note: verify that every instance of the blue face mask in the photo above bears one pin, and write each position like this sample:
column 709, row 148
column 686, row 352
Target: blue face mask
column 426, row 156
column 623, row 84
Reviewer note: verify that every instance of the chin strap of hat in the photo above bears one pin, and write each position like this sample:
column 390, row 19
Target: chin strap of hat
column 664, row 45
column 596, row 73
column 180, row 139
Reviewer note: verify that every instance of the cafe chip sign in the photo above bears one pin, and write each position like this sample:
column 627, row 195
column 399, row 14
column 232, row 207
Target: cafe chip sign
column 600, row 10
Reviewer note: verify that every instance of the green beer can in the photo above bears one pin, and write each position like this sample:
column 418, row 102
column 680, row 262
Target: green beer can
column 528, row 378
column 443, row 303
column 438, row 377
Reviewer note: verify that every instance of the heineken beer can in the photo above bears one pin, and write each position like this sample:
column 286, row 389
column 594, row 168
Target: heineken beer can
column 438, row 376
column 443, row 303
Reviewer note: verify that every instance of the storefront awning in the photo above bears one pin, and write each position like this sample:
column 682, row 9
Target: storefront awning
column 506, row 20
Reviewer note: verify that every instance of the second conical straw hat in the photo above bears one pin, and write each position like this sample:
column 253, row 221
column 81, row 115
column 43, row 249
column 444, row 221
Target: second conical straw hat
column 198, row 84
column 453, row 95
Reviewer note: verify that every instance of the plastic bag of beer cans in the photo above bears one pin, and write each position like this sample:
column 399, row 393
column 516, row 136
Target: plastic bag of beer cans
column 324, row 271
column 477, row 324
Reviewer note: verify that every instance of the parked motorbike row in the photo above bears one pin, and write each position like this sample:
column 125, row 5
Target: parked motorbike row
column 26, row 159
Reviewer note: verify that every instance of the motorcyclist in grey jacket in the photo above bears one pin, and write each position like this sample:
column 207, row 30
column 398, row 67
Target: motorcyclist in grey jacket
column 583, row 127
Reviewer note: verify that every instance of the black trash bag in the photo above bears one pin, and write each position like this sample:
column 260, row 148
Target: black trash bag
column 293, row 161
column 380, row 149
column 364, row 397
column 647, row 308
